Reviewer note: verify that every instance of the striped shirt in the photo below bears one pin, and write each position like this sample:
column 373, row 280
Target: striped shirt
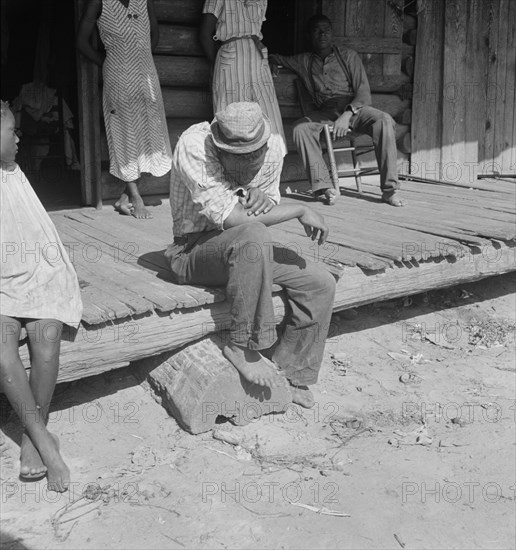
column 201, row 194
column 237, row 17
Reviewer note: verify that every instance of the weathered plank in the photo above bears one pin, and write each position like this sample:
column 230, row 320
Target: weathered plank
column 454, row 151
column 393, row 28
column 89, row 125
column 491, row 10
column 191, row 72
column 506, row 83
column 112, row 345
column 179, row 40
column 427, row 100
column 179, row 11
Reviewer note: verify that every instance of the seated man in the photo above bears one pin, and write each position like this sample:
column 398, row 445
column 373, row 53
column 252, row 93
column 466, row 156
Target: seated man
column 224, row 192
column 337, row 82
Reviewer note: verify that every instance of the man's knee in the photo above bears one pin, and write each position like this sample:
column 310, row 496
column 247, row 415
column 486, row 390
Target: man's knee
column 301, row 129
column 252, row 242
column 386, row 120
column 323, row 282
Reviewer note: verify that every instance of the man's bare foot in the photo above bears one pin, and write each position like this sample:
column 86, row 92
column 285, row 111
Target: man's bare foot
column 139, row 211
column 252, row 365
column 123, row 205
column 392, row 199
column 301, row 395
column 327, row 196
column 32, row 466
column 58, row 474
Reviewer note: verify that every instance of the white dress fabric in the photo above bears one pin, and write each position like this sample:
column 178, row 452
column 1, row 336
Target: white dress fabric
column 37, row 279
column 134, row 115
column 241, row 71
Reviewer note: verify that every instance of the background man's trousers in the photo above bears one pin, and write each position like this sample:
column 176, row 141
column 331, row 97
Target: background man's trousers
column 373, row 122
column 245, row 260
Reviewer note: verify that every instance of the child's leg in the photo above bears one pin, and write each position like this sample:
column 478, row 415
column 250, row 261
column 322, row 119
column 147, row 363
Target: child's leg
column 44, row 345
column 15, row 385
column 45, row 337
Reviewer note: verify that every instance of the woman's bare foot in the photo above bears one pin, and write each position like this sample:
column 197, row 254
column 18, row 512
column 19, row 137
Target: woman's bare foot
column 301, row 395
column 139, row 211
column 58, row 474
column 32, row 466
column 251, row 365
column 392, row 199
column 123, row 205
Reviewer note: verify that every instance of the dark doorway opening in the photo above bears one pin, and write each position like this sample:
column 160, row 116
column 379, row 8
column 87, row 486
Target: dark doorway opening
column 39, row 81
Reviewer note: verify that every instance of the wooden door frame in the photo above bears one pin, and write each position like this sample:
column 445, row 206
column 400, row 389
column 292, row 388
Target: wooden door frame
column 89, row 124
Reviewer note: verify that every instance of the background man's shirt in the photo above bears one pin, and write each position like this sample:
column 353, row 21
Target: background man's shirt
column 328, row 79
column 202, row 195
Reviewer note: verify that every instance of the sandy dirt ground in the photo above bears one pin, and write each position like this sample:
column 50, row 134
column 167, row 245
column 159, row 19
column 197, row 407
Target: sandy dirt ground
column 411, row 444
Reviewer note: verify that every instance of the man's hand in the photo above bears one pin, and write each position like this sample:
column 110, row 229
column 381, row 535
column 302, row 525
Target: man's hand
column 256, row 202
column 341, row 125
column 314, row 225
column 274, row 65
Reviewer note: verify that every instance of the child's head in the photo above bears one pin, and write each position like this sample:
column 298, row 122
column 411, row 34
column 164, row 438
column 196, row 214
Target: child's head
column 9, row 139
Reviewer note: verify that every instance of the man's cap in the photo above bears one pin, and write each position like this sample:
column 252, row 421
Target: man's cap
column 240, row 128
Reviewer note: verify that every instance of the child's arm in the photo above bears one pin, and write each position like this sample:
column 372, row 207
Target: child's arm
column 85, row 31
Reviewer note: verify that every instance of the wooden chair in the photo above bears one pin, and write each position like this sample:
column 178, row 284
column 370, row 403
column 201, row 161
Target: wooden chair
column 346, row 143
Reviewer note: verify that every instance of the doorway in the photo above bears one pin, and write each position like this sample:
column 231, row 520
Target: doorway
column 39, row 81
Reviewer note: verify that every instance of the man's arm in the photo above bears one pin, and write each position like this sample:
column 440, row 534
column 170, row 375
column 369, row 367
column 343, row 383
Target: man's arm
column 313, row 223
column 359, row 81
column 292, row 62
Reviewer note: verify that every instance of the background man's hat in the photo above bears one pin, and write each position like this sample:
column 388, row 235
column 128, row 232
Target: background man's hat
column 240, row 128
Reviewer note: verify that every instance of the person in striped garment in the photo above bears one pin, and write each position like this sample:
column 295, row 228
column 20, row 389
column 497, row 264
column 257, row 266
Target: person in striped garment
column 232, row 40
column 134, row 115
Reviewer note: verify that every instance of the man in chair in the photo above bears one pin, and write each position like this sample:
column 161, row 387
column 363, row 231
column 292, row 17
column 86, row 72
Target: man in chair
column 337, row 82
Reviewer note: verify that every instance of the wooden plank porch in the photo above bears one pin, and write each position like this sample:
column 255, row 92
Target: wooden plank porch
column 446, row 235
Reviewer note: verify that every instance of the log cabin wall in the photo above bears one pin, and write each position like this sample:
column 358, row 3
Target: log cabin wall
column 464, row 121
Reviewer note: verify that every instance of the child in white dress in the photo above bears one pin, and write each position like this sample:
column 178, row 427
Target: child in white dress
column 39, row 291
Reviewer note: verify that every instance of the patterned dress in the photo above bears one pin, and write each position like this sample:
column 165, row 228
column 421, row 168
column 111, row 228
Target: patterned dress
column 134, row 115
column 242, row 70
column 37, row 279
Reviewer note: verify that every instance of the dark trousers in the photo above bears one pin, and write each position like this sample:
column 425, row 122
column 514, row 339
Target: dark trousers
column 373, row 122
column 247, row 262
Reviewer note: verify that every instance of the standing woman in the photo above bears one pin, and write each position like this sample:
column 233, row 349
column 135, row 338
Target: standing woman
column 231, row 38
column 134, row 115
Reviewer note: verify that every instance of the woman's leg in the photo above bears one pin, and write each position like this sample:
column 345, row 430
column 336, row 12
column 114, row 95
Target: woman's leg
column 131, row 203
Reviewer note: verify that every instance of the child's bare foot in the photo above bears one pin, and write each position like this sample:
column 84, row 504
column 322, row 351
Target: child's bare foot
column 252, row 366
column 301, row 395
column 32, row 466
column 139, row 211
column 58, row 474
column 123, row 205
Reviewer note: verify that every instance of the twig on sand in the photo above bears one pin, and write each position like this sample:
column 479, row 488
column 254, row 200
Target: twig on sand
column 222, row 453
column 265, row 514
column 322, row 510
column 399, row 541
column 172, row 539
